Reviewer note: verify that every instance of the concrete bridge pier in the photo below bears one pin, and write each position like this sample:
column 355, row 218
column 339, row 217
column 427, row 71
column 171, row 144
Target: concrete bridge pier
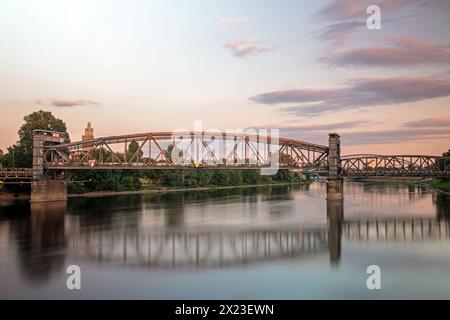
column 335, row 185
column 44, row 189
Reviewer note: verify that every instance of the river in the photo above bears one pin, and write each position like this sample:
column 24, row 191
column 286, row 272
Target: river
column 283, row 242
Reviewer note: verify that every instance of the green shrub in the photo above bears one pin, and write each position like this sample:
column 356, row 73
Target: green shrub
column 441, row 185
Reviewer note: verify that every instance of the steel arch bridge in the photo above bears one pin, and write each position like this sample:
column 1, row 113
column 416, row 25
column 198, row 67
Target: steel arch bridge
column 192, row 149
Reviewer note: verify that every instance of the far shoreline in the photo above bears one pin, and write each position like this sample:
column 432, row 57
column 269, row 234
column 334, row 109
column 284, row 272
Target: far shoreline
column 95, row 194
column 98, row 194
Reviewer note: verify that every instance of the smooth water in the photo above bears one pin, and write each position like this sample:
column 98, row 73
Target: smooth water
column 281, row 242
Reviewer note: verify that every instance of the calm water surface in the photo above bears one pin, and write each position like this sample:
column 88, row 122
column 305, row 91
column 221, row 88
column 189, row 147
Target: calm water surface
column 282, row 242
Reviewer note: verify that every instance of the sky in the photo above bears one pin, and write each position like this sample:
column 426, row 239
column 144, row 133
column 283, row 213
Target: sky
column 306, row 67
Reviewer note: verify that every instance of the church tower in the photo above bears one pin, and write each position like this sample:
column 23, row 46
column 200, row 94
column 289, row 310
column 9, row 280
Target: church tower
column 88, row 135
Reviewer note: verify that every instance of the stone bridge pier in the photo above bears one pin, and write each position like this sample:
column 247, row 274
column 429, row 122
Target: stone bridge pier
column 335, row 198
column 44, row 188
column 335, row 185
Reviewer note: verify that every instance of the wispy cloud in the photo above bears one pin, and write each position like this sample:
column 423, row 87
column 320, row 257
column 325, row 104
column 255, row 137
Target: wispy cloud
column 344, row 10
column 67, row 102
column 402, row 52
column 246, row 49
column 317, row 133
column 345, row 17
column 300, row 127
column 429, row 123
column 337, row 33
column 232, row 23
column 298, row 95
column 358, row 93
column 416, row 131
column 366, row 137
column 301, row 130
column 395, row 136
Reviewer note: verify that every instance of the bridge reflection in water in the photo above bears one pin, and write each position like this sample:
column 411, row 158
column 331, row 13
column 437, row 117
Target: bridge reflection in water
column 131, row 244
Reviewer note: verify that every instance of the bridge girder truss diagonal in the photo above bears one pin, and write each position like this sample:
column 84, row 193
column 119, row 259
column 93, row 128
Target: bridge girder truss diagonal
column 193, row 150
column 395, row 165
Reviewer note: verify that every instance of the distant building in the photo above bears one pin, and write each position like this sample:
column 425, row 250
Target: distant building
column 88, row 135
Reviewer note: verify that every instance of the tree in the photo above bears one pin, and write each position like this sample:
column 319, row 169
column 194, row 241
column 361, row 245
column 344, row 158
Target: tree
column 444, row 163
column 220, row 178
column 21, row 153
column 43, row 120
column 202, row 176
column 133, row 147
column 251, row 176
column 235, row 177
column 172, row 178
column 287, row 160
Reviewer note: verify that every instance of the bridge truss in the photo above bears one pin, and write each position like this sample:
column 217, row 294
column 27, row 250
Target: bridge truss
column 362, row 165
column 164, row 150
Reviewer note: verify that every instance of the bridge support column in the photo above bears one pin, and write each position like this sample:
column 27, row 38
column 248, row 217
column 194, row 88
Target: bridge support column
column 42, row 188
column 38, row 156
column 48, row 190
column 335, row 185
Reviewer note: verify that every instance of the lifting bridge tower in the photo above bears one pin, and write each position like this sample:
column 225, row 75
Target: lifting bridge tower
column 43, row 187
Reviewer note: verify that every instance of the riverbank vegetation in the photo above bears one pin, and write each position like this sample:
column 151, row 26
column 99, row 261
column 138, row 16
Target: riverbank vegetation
column 20, row 154
column 442, row 184
column 133, row 180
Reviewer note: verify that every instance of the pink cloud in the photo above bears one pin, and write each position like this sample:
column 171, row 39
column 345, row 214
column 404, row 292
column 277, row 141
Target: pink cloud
column 402, row 51
column 343, row 10
column 429, row 123
column 246, row 49
column 67, row 102
column 358, row 93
